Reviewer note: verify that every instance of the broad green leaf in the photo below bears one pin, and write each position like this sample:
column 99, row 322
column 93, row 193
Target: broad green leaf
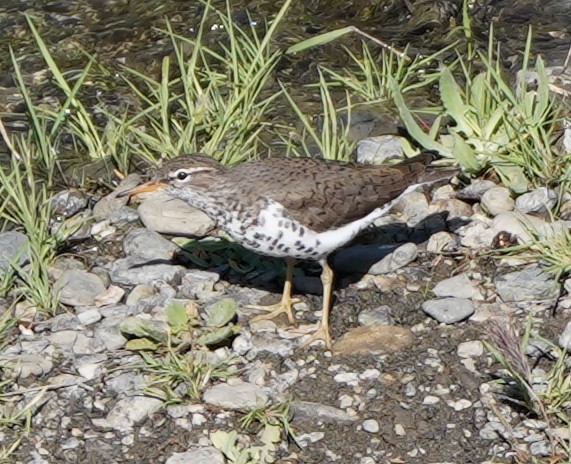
column 218, row 335
column 177, row 317
column 411, row 126
column 141, row 344
column 271, row 434
column 543, row 100
column 143, row 328
column 320, row 39
column 491, row 125
column 451, row 96
column 461, row 151
column 513, row 177
column 222, row 313
column 226, row 443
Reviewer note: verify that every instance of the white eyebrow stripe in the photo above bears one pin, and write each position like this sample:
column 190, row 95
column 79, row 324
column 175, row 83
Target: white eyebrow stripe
column 189, row 170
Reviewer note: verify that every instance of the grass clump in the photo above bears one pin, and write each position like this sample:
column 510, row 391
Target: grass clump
column 176, row 355
column 547, row 397
column 492, row 126
column 214, row 100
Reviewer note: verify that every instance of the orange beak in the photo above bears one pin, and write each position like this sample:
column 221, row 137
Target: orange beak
column 146, row 187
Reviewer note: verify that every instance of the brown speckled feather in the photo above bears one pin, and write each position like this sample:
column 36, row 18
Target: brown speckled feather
column 319, row 194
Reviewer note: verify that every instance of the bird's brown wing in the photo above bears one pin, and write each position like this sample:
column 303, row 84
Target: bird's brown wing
column 325, row 195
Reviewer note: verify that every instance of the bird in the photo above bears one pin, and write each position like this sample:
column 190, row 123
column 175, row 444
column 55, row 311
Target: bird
column 291, row 208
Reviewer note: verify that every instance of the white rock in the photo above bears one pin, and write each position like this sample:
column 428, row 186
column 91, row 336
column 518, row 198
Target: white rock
column 471, row 349
column 371, row 426
column 497, row 200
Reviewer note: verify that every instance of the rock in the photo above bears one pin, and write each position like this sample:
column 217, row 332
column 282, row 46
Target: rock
column 196, row 282
column 477, row 234
column 148, row 245
column 377, row 150
column 413, row 207
column 91, row 316
column 111, row 296
column 449, row 310
column 376, row 316
column 371, row 426
column 442, row 241
column 359, row 259
column 13, row 249
column 107, row 206
column 140, row 292
column 27, row 365
column 459, row 286
column 565, row 337
column 541, row 200
column 521, row 225
column 454, row 207
column 378, row 338
column 134, row 271
column 471, row 349
column 497, row 200
column 475, row 190
column 123, row 215
column 79, row 288
column 321, row 412
column 206, row 455
column 68, row 202
column 128, row 412
column 399, row 258
column 161, row 213
column 238, row 396
column 529, row 284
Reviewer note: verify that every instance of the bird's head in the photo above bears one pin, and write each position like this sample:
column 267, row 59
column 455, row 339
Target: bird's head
column 196, row 170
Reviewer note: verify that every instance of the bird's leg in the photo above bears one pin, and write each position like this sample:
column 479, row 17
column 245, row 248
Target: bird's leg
column 322, row 332
column 285, row 305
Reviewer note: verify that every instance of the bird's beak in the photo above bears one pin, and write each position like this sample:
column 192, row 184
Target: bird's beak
column 146, row 187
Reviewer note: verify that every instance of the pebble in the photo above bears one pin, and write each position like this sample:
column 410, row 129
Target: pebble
column 541, row 200
column 66, row 203
column 459, row 286
column 209, row 455
column 321, row 412
column 565, row 338
column 475, row 190
column 379, row 149
column 399, row 430
column 129, row 412
column 471, row 349
column 148, row 245
column 376, row 316
column 371, row 426
column 449, row 310
column 161, row 213
column 528, row 284
column 239, row 396
column 132, row 271
column 399, row 258
column 79, row 288
column 497, row 200
column 13, row 245
column 441, row 242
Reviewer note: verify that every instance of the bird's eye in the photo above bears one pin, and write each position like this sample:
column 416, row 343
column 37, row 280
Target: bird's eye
column 181, row 175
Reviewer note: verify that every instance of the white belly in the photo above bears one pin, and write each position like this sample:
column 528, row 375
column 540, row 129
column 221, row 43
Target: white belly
column 273, row 234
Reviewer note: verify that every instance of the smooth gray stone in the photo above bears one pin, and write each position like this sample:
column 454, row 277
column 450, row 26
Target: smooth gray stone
column 148, row 245
column 134, row 271
column 238, row 396
column 79, row 288
column 449, row 310
column 13, row 248
column 528, row 284
column 207, row 455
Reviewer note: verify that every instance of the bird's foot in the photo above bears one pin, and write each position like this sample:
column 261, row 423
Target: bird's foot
column 322, row 333
column 284, row 306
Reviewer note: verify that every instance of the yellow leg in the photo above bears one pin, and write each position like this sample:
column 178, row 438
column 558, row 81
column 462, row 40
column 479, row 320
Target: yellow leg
column 285, row 305
column 322, row 333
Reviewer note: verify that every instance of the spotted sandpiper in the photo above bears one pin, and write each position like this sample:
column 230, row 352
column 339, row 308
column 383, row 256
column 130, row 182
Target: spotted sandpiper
column 292, row 208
